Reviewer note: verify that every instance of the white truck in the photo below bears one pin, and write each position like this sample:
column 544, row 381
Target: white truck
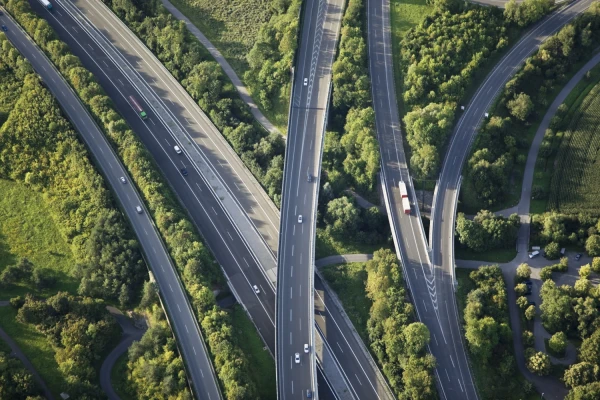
column 404, row 195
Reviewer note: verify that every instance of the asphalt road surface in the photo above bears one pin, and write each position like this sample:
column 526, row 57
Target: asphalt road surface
column 432, row 293
column 446, row 196
column 195, row 195
column 306, row 127
column 181, row 316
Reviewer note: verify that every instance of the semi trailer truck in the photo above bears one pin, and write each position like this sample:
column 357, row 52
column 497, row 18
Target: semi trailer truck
column 404, row 195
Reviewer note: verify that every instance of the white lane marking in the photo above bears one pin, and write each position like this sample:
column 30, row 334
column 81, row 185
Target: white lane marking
column 291, row 292
column 290, row 337
column 153, row 123
column 186, row 329
column 451, row 360
column 292, row 271
column 230, row 237
column 75, row 29
column 171, row 287
column 460, row 384
column 105, row 64
column 290, row 314
column 193, row 348
column 198, row 186
column 338, row 343
column 435, row 338
column 294, row 231
column 358, row 379
column 179, row 308
column 424, row 305
column 121, row 81
column 215, row 211
column 293, row 250
column 447, row 375
column 90, row 46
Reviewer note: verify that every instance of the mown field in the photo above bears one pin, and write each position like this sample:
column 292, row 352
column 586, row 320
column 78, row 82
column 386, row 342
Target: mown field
column 575, row 185
column 232, row 25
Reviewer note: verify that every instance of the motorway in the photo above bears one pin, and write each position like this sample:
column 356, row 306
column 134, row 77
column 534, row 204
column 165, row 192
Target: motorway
column 306, row 129
column 113, row 54
column 432, row 292
column 181, row 316
column 446, row 194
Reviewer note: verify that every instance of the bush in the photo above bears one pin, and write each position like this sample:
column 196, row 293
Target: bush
column 585, row 271
column 530, row 313
column 528, row 339
column 596, row 265
column 552, row 251
column 546, row 273
column 521, row 289
column 558, row 342
column 539, row 363
column 487, row 231
column 523, row 272
column 592, row 245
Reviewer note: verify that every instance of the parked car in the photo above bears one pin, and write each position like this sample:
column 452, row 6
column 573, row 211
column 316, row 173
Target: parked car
column 4, row 28
column 534, row 254
column 577, row 256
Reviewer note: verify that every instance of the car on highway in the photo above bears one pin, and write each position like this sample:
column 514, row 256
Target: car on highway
column 4, row 28
column 297, row 358
column 309, row 394
column 1, row 13
column 305, row 81
column 577, row 256
column 123, row 180
column 306, row 347
column 300, row 218
column 184, row 172
column 138, row 209
column 309, row 178
column 256, row 289
column 177, row 149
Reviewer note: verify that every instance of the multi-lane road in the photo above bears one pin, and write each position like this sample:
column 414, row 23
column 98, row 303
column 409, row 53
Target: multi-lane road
column 431, row 289
column 446, row 194
column 124, row 67
column 295, row 265
column 181, row 316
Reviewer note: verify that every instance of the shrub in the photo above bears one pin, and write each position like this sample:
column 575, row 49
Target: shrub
column 558, row 342
column 546, row 273
column 539, row 363
column 528, row 339
column 552, row 251
column 523, row 271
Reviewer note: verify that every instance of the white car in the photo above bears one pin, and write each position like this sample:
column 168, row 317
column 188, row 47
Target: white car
column 123, row 180
column 300, row 218
column 306, row 347
column 305, row 81
column 177, row 149
column 297, row 358
column 138, row 209
column 256, row 289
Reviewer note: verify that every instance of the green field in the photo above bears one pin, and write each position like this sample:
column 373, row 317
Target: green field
column 575, row 184
column 404, row 15
column 348, row 282
column 232, row 25
column 36, row 348
column 26, row 230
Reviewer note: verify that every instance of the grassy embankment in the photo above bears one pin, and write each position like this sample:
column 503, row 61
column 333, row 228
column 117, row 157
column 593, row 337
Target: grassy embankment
column 232, row 27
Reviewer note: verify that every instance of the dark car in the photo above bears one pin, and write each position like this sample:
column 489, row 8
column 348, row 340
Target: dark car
column 1, row 13
column 4, row 28
column 309, row 394
column 184, row 172
column 577, row 256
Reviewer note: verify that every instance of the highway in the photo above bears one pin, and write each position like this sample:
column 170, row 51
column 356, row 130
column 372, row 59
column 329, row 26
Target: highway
column 431, row 290
column 96, row 45
column 446, row 193
column 181, row 316
column 321, row 23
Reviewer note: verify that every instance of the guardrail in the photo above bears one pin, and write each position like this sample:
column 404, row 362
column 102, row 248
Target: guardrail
column 455, row 200
column 431, row 217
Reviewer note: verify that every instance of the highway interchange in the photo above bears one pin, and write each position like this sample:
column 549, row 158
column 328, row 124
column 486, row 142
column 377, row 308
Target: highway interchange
column 432, row 285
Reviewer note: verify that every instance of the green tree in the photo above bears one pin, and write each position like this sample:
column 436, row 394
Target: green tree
column 581, row 374
column 592, row 245
column 521, row 106
column 416, row 336
column 530, row 312
column 342, row 217
column 523, row 271
column 552, row 250
column 591, row 391
column 539, row 363
column 558, row 342
column 590, row 349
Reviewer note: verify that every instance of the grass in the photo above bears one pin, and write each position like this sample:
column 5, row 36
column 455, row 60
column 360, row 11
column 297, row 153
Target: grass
column 348, row 282
column 405, row 14
column 329, row 246
column 26, row 230
column 263, row 364
column 482, row 374
column 36, row 348
column 495, row 255
column 232, row 27
column 119, row 378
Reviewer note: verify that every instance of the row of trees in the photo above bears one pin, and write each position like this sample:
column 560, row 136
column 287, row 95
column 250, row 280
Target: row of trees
column 521, row 102
column 39, row 148
column 198, row 271
column 351, row 151
column 15, row 381
column 80, row 330
column 556, row 230
column 487, row 231
column 399, row 343
column 574, row 311
column 272, row 55
column 439, row 58
column 489, row 336
column 190, row 63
